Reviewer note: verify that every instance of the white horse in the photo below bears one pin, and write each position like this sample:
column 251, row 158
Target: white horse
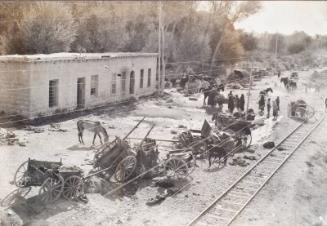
column 93, row 126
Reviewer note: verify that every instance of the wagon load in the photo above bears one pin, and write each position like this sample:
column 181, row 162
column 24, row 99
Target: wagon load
column 299, row 109
column 116, row 158
column 108, row 153
column 147, row 154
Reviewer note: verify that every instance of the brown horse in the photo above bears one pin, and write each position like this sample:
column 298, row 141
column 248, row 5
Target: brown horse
column 93, row 126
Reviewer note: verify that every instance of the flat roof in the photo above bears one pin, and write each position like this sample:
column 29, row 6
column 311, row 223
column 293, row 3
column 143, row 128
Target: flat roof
column 71, row 56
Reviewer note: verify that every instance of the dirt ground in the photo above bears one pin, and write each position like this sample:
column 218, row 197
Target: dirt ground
column 299, row 185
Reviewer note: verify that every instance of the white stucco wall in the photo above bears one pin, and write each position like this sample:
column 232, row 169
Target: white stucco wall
column 67, row 72
column 14, row 88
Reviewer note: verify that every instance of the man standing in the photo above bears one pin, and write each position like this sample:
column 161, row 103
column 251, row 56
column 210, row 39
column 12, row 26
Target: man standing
column 242, row 102
column 277, row 102
column 237, row 103
column 268, row 107
column 261, row 105
column 231, row 102
column 275, row 110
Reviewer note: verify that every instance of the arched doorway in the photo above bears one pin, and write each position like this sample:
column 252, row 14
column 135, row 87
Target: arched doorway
column 131, row 82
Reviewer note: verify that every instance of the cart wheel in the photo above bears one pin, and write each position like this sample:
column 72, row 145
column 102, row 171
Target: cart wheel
column 51, row 189
column 10, row 199
column 73, row 187
column 246, row 140
column 310, row 113
column 301, row 113
column 176, row 167
column 20, row 177
column 125, row 168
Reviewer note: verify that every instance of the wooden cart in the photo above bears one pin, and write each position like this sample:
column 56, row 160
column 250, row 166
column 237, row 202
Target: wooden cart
column 53, row 178
column 300, row 110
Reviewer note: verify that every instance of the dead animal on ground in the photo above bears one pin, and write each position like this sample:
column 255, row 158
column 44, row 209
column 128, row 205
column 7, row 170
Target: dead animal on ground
column 94, row 126
column 217, row 153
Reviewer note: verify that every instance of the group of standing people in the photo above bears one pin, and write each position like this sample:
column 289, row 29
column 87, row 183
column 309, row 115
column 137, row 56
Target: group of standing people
column 235, row 102
column 274, row 104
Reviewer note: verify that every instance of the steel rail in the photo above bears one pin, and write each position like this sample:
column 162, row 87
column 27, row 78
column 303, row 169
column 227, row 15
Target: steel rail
column 237, row 182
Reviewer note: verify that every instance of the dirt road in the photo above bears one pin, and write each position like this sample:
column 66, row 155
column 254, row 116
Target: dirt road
column 168, row 114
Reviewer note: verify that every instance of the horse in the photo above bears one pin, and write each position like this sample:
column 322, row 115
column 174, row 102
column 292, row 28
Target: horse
column 284, row 80
column 292, row 84
column 266, row 91
column 217, row 152
column 94, row 126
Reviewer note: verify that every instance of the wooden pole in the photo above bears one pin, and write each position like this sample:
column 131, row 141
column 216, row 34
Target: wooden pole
column 147, row 134
column 159, row 48
column 163, row 51
column 165, row 140
column 134, row 128
column 249, row 91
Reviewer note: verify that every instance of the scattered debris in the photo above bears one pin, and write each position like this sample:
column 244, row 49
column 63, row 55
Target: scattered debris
column 269, row 144
column 250, row 157
column 163, row 182
column 239, row 161
column 56, row 128
column 193, row 98
column 34, row 129
column 280, row 148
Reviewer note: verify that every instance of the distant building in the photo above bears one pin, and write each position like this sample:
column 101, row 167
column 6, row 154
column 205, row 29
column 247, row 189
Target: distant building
column 34, row 85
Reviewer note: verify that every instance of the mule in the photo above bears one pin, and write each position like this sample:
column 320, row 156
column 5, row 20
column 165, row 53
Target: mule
column 93, row 126
column 217, row 153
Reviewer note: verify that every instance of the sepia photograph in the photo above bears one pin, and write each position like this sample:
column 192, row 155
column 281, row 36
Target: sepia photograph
column 163, row 113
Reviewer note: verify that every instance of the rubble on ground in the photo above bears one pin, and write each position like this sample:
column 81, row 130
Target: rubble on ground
column 9, row 138
column 239, row 161
column 56, row 128
column 269, row 144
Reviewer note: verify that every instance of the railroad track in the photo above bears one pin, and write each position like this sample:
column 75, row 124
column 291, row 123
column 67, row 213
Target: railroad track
column 225, row 208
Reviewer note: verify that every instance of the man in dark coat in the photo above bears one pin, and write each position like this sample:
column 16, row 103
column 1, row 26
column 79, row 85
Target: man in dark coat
column 268, row 107
column 212, row 97
column 262, row 104
column 237, row 102
column 277, row 102
column 231, row 102
column 242, row 102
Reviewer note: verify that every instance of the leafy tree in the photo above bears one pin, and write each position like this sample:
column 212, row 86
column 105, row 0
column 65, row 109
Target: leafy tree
column 248, row 41
column 46, row 29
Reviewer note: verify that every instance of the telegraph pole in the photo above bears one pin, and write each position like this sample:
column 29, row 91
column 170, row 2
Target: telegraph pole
column 276, row 46
column 163, row 50
column 249, row 91
column 159, row 48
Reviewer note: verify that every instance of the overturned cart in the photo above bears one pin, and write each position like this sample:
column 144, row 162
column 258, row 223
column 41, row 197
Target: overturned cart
column 300, row 110
column 116, row 159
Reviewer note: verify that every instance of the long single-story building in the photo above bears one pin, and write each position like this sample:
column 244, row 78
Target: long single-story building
column 35, row 85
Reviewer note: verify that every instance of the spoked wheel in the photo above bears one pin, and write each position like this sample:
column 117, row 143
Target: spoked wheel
column 20, row 178
column 51, row 189
column 73, row 187
column 246, row 140
column 11, row 198
column 125, row 168
column 310, row 113
column 176, row 167
column 301, row 112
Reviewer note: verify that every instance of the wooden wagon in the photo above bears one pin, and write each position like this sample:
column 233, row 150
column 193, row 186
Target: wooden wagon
column 300, row 110
column 54, row 180
column 238, row 128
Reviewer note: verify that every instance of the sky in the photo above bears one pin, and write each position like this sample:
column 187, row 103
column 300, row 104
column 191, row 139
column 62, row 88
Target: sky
column 288, row 16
